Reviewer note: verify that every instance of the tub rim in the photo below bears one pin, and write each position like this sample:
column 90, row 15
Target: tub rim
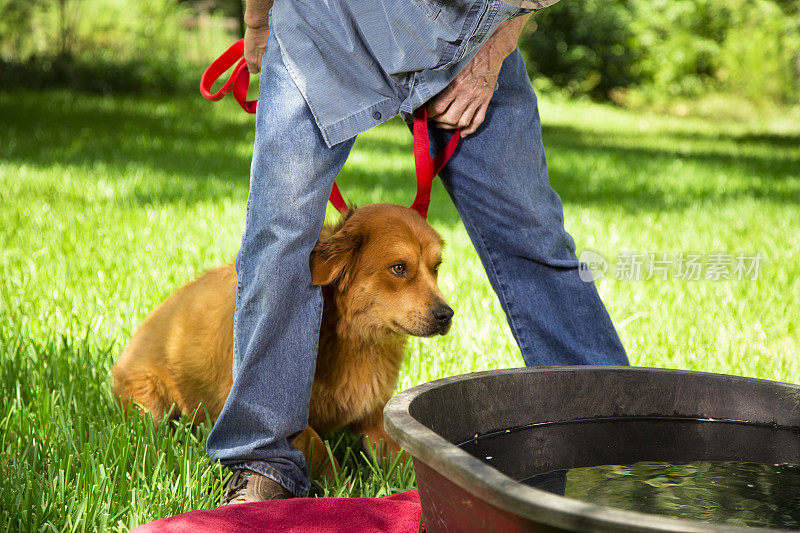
column 492, row 486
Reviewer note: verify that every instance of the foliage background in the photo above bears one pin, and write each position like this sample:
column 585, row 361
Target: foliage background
column 633, row 52
column 670, row 48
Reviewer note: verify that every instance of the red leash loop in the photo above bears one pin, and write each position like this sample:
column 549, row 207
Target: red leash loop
column 239, row 81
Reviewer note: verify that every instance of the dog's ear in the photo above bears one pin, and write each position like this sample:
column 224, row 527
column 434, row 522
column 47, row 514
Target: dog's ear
column 335, row 258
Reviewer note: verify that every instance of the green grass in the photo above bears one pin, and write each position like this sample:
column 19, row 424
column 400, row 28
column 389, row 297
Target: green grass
column 107, row 205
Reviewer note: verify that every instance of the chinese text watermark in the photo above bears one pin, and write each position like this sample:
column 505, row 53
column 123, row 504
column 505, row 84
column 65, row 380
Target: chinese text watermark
column 683, row 266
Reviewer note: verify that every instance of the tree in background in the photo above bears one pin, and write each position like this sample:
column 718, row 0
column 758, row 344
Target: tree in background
column 585, row 47
column 228, row 8
column 670, row 48
column 16, row 24
column 624, row 50
column 113, row 45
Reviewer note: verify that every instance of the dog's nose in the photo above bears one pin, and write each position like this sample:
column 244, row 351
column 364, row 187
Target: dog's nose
column 442, row 313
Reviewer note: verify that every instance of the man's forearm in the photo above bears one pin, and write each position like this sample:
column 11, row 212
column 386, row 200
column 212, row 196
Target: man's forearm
column 504, row 40
column 256, row 18
column 256, row 12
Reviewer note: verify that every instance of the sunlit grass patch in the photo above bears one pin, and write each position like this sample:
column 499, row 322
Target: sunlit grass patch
column 109, row 204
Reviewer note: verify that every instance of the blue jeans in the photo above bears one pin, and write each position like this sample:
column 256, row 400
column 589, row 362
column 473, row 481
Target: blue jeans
column 498, row 182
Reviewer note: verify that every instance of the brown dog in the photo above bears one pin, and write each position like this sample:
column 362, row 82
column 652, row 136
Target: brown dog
column 378, row 270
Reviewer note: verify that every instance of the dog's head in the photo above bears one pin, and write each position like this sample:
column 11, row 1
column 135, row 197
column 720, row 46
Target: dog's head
column 383, row 263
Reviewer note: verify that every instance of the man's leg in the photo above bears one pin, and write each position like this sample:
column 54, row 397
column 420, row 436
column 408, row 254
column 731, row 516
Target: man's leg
column 499, row 184
column 278, row 311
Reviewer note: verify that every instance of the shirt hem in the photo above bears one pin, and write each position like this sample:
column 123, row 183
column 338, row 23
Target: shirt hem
column 359, row 122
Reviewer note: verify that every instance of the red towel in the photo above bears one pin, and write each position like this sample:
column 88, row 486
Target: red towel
column 398, row 513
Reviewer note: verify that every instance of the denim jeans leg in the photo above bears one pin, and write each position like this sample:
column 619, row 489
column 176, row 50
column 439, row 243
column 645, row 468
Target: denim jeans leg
column 278, row 311
column 498, row 181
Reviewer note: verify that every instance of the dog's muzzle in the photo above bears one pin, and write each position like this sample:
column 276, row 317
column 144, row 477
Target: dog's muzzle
column 442, row 315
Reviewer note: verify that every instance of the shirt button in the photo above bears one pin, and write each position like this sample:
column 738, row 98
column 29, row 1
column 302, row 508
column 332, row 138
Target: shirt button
column 376, row 115
column 416, row 82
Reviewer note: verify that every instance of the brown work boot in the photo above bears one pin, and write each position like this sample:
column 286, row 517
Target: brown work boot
column 245, row 486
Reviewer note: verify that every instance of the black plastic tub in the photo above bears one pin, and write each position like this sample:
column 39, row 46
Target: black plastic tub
column 728, row 418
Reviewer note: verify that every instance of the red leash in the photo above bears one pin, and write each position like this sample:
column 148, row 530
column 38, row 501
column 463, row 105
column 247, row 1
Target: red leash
column 239, row 81
column 427, row 169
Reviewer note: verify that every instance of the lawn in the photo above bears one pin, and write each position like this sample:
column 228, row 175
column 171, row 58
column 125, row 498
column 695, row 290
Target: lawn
column 108, row 204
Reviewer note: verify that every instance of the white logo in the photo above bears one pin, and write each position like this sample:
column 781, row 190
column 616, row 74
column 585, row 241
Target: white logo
column 593, row 266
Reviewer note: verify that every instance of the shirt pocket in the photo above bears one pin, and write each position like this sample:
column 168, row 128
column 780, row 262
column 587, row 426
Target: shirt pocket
column 472, row 24
column 431, row 8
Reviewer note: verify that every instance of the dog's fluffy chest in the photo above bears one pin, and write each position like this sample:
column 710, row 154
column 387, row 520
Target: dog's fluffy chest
column 352, row 382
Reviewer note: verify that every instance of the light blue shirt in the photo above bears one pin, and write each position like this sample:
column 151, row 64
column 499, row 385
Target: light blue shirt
column 359, row 63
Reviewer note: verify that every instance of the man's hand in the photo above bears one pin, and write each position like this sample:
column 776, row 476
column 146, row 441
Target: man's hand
column 255, row 42
column 256, row 34
column 463, row 103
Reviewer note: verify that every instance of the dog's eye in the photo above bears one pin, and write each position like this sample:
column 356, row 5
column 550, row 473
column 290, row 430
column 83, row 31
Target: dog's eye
column 398, row 270
column 436, row 268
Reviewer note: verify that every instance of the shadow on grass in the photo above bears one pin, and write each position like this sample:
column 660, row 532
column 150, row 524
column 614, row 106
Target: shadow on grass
column 774, row 139
column 173, row 135
column 769, row 172
column 193, row 144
